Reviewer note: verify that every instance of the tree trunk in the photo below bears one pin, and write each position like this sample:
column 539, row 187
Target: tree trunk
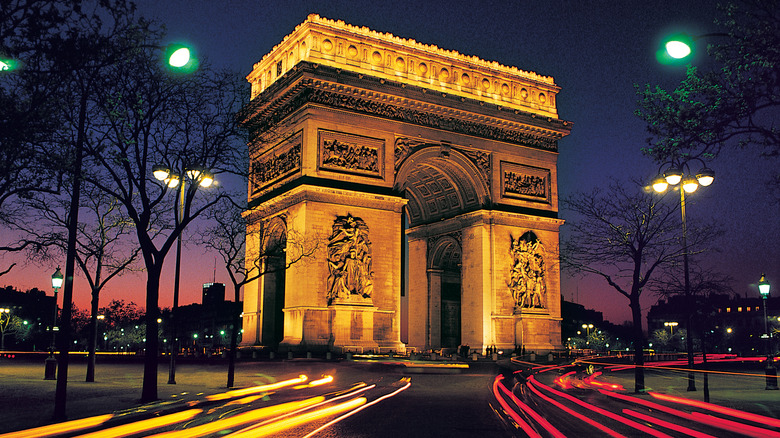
column 234, row 340
column 149, row 389
column 93, row 334
column 639, row 344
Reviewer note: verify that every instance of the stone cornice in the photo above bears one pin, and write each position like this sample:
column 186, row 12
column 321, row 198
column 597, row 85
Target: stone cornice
column 309, row 193
column 361, row 50
column 309, row 83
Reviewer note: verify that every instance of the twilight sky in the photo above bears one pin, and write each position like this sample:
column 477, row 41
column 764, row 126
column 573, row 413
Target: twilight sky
column 595, row 50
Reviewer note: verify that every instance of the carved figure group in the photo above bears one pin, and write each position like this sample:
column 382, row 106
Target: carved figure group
column 350, row 156
column 349, row 259
column 527, row 276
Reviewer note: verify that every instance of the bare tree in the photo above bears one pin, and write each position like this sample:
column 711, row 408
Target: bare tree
column 245, row 263
column 103, row 243
column 623, row 235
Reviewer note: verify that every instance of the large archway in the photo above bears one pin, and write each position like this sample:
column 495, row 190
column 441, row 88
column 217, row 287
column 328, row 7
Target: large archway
column 272, row 264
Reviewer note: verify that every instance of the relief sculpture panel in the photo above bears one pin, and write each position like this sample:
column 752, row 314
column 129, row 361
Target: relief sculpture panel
column 349, row 261
column 525, row 182
column 528, row 273
column 350, row 153
column 273, row 167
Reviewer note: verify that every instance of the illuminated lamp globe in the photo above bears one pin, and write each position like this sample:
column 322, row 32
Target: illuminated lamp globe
column 57, row 277
column 673, row 175
column 705, row 176
column 659, row 184
column 763, row 286
column 690, row 184
column 180, row 57
column 161, row 172
column 206, row 179
column 677, row 49
column 172, row 181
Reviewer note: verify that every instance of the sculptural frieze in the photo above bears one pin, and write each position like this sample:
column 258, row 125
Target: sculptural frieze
column 349, row 261
column 351, row 156
column 273, row 167
column 523, row 184
column 528, row 272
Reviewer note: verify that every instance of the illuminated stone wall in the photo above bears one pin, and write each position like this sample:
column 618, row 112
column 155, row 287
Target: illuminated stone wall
column 346, row 122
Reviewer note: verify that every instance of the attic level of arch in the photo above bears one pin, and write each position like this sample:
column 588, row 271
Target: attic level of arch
column 309, row 83
column 337, row 44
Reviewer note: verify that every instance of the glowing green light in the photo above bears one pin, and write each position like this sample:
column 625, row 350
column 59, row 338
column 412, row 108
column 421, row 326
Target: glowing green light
column 180, row 57
column 677, row 49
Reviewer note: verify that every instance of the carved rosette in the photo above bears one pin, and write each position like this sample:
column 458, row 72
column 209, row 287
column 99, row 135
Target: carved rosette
column 350, row 278
column 528, row 274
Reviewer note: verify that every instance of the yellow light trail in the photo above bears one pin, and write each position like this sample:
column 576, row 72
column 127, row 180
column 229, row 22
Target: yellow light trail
column 247, row 417
column 278, row 426
column 60, row 428
column 144, row 425
column 255, row 389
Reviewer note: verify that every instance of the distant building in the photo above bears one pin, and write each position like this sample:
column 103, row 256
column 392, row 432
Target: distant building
column 729, row 324
column 213, row 293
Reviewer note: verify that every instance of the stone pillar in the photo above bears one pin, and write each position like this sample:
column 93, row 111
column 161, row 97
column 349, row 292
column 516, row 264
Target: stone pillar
column 434, row 308
column 418, row 329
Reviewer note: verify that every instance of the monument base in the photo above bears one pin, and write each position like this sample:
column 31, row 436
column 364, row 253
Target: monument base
column 352, row 328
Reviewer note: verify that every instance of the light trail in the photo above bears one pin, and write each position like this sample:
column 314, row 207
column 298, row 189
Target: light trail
column 240, row 419
column 256, row 389
column 386, row 396
column 144, row 425
column 675, row 427
column 514, row 415
column 289, row 423
column 527, row 409
column 604, row 412
column 60, row 428
column 572, row 412
column 767, row 421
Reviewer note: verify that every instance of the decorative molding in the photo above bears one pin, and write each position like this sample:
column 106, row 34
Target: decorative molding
column 351, row 153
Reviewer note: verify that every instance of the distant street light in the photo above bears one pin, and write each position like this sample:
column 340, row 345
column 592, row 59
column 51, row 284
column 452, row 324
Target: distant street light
column 770, row 371
column 50, row 370
column 202, row 178
column 671, row 326
column 587, row 327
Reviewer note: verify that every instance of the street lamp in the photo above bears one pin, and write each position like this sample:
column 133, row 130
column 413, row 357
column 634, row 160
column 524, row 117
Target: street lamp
column 771, row 372
column 50, row 370
column 679, row 47
column 671, row 326
column 675, row 175
column 587, row 327
column 202, row 178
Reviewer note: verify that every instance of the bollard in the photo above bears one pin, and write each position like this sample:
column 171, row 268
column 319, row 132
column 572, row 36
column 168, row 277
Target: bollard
column 495, row 356
column 308, row 355
column 272, row 355
column 328, row 356
column 474, row 357
column 50, row 372
column 349, row 355
column 289, row 355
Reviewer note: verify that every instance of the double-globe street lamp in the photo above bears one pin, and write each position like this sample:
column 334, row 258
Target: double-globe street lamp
column 202, row 178
column 771, row 372
column 678, row 174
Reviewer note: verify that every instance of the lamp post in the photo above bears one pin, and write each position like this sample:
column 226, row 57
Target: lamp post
column 674, row 175
column 50, row 371
column 771, row 372
column 671, row 326
column 5, row 321
column 203, row 179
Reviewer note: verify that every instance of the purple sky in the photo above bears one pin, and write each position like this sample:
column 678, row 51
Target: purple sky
column 595, row 50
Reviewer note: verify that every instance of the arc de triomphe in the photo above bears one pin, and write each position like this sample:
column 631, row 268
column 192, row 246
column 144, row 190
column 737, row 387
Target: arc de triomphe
column 427, row 179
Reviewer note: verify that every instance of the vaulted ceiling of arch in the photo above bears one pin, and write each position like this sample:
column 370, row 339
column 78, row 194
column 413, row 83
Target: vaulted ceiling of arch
column 434, row 195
